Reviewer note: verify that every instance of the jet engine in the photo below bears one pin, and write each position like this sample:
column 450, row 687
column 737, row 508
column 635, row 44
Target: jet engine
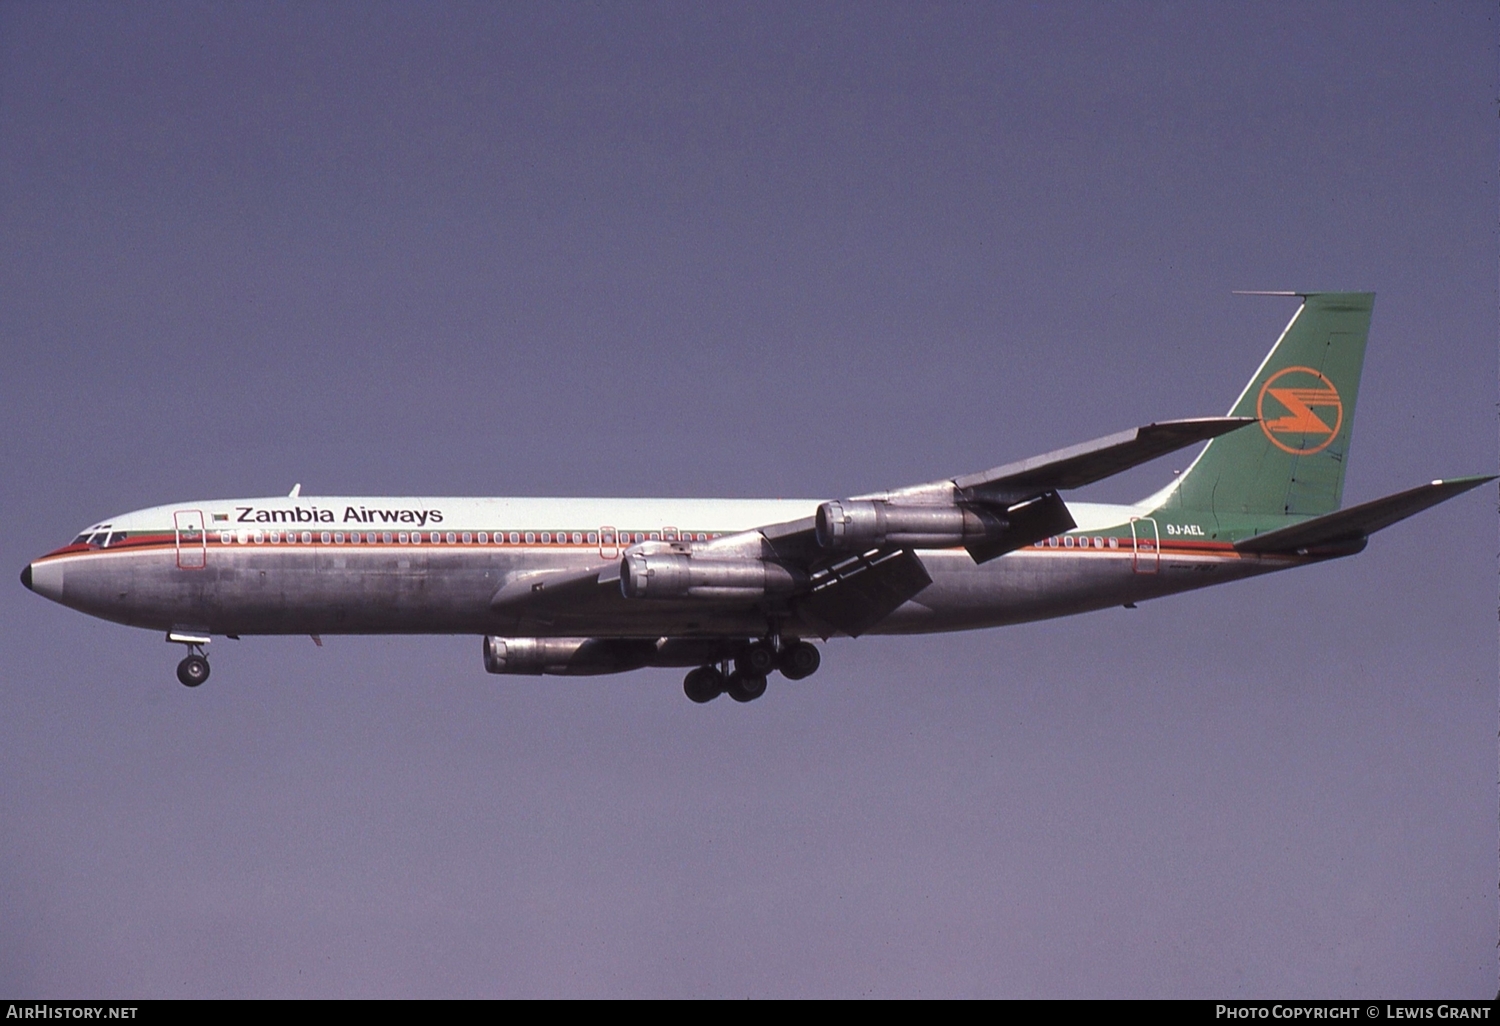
column 674, row 575
column 570, row 657
column 856, row 524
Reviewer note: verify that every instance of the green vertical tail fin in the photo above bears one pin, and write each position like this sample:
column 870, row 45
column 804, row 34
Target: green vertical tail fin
column 1293, row 461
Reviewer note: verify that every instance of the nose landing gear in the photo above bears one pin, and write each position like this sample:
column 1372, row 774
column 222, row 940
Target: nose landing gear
column 193, row 670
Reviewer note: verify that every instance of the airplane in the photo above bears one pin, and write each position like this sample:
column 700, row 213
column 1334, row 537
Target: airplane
column 735, row 589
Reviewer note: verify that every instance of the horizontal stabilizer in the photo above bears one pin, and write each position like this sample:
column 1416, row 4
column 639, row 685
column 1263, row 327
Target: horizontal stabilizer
column 1088, row 462
column 1358, row 522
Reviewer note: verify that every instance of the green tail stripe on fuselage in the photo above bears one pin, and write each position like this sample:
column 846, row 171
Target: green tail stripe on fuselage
column 1293, row 462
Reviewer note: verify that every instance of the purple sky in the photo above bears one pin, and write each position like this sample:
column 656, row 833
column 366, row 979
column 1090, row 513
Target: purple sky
column 764, row 250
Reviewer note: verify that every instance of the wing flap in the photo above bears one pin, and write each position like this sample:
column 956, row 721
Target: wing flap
column 1356, row 523
column 1027, row 522
column 854, row 595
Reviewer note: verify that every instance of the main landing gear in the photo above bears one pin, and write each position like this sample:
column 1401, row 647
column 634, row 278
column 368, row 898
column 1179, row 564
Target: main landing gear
column 193, row 670
column 747, row 681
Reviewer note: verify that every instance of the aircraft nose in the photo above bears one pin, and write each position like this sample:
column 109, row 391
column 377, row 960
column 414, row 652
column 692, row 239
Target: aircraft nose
column 45, row 578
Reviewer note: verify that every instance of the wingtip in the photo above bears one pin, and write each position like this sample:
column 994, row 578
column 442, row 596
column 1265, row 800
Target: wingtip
column 1206, row 427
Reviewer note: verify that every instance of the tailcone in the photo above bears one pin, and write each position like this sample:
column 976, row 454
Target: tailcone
column 26, row 577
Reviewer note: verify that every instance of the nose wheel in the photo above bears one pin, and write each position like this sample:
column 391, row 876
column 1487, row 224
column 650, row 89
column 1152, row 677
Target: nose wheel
column 193, row 670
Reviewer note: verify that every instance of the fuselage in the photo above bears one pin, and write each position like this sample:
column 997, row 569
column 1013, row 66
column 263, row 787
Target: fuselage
column 340, row 565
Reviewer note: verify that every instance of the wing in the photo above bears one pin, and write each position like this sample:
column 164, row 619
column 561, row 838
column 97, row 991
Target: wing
column 858, row 558
column 1083, row 464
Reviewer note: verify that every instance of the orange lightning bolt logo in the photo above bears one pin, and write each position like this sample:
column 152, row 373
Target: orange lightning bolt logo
column 1301, row 392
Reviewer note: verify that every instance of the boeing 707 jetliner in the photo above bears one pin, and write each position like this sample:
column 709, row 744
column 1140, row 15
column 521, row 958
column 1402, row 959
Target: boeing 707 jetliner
column 735, row 588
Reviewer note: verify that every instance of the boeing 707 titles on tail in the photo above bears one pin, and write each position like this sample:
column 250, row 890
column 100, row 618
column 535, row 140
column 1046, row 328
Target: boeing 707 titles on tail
column 734, row 589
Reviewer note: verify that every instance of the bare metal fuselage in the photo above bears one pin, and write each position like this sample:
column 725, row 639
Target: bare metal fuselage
column 275, row 577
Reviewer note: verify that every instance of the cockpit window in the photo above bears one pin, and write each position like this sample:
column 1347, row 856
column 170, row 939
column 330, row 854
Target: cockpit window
column 116, row 538
column 98, row 538
column 81, row 538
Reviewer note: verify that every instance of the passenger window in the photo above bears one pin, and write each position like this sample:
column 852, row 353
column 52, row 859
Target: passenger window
column 593, row 537
column 326, row 537
column 468, row 538
column 450, row 537
column 484, row 537
column 307, row 538
column 1114, row 543
column 385, row 538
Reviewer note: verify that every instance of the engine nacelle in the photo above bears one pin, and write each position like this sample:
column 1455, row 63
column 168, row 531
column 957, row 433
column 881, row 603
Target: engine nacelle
column 858, row 524
column 571, row 657
column 668, row 575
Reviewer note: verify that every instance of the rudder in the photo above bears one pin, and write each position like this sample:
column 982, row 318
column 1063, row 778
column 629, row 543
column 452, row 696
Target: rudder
column 1293, row 462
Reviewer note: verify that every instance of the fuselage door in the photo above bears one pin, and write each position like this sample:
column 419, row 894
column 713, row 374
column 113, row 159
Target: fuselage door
column 192, row 540
column 1147, row 558
column 609, row 543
